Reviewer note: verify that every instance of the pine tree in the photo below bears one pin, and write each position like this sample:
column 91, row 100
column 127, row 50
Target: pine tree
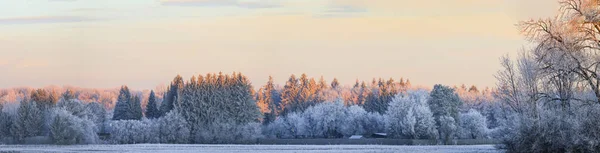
column 171, row 97
column 152, row 108
column 122, row 108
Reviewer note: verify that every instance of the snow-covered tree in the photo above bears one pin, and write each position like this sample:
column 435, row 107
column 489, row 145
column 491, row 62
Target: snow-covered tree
column 335, row 83
column 473, row 125
column 293, row 125
column 266, row 101
column 325, row 120
column 409, row 116
column 170, row 100
column 214, row 102
column 66, row 128
column 28, row 122
column 74, row 106
column 173, row 128
column 355, row 120
column 122, row 109
column 152, row 107
column 68, row 94
column 133, row 131
column 447, row 129
column 136, row 108
column 6, row 121
column 97, row 114
column 444, row 101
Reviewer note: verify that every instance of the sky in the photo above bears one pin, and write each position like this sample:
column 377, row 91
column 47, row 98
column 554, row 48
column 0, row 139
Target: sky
column 145, row 43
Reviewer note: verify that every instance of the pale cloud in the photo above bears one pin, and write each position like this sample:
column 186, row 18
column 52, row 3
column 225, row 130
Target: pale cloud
column 345, row 9
column 220, row 3
column 42, row 20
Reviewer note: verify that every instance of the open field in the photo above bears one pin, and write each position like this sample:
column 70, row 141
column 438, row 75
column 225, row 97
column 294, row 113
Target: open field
column 171, row 148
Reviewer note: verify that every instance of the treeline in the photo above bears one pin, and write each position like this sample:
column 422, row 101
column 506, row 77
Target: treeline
column 224, row 108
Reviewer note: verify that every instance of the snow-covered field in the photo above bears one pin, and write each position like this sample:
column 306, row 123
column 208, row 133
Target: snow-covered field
column 170, row 148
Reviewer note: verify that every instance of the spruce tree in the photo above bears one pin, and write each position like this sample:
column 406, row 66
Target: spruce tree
column 289, row 95
column 152, row 108
column 135, row 108
column 171, row 97
column 122, row 108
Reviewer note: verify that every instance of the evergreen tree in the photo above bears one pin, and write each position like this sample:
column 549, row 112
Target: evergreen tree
column 69, row 94
column 171, row 96
column 135, row 108
column 122, row 108
column 215, row 104
column 289, row 100
column 152, row 108
column 335, row 84
column 266, row 101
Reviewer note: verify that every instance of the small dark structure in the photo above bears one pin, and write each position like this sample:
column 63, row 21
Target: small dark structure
column 379, row 135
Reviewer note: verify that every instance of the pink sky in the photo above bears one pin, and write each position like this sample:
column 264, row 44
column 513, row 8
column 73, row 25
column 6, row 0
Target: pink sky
column 144, row 43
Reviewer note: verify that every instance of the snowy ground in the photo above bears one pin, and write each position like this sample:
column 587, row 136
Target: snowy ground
column 169, row 148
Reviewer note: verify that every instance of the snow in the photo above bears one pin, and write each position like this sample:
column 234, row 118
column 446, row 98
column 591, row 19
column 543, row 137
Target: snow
column 172, row 148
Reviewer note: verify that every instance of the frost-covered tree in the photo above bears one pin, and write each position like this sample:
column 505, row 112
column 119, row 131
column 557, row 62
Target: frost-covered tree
column 66, row 128
column 152, row 107
column 335, row 83
column 360, row 122
column 97, row 114
column 6, row 121
column 136, row 108
column 447, row 129
column 473, row 125
column 444, row 101
column 133, row 131
column 28, row 122
column 355, row 121
column 74, row 106
column 409, row 116
column 217, row 102
column 68, row 94
column 293, row 125
column 266, row 101
column 122, row 109
column 170, row 100
column 44, row 99
column 289, row 96
column 325, row 120
column 381, row 94
column 173, row 128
